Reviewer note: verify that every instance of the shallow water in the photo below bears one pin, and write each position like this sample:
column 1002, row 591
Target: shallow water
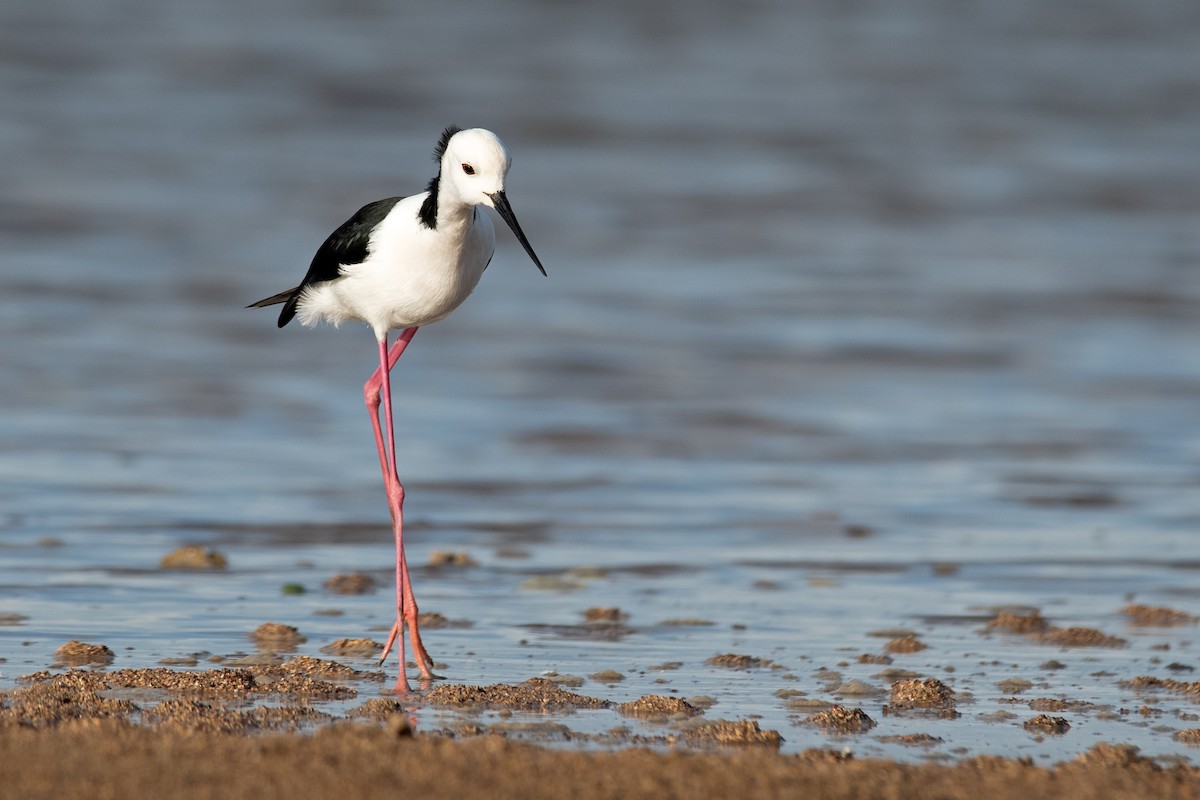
column 858, row 319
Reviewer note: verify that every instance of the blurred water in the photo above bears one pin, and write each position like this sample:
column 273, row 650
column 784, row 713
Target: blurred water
column 923, row 272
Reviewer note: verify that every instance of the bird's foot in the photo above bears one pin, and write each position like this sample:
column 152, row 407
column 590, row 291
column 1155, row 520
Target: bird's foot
column 424, row 661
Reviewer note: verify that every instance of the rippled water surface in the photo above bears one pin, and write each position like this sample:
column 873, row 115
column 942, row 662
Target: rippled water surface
column 860, row 318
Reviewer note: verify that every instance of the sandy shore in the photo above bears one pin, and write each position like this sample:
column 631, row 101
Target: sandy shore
column 256, row 730
column 200, row 734
column 114, row 759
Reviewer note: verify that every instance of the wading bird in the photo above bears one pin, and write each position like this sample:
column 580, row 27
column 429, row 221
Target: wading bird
column 398, row 264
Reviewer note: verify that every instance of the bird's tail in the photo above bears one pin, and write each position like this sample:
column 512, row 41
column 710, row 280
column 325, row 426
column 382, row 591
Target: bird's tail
column 289, row 298
column 274, row 299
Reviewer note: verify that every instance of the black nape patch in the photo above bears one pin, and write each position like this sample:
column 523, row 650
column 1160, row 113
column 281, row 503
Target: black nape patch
column 428, row 212
column 429, row 208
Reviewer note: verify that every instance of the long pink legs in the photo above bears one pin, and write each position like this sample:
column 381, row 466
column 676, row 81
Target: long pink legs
column 377, row 386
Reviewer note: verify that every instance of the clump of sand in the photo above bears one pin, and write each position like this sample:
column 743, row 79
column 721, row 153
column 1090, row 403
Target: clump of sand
column 81, row 654
column 361, row 648
column 839, row 719
column 1077, row 637
column 1012, row 622
column 351, row 583
column 736, row 661
column 1045, row 724
column 275, row 635
column 535, row 694
column 928, row 696
column 193, row 556
column 604, row 614
column 1157, row 616
column 657, row 705
column 448, row 558
column 735, row 732
column 905, row 644
column 1034, row 626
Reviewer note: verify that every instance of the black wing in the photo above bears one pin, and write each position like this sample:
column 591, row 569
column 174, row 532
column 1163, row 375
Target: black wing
column 349, row 244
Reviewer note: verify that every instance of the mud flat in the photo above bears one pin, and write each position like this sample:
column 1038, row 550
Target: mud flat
column 117, row 759
column 253, row 731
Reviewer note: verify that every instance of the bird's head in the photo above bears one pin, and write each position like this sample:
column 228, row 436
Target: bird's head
column 475, row 163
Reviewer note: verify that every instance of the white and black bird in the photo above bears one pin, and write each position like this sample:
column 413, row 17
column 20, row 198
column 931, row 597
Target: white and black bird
column 398, row 264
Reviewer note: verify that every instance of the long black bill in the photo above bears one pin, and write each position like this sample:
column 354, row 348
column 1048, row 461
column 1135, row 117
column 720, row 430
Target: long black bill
column 506, row 212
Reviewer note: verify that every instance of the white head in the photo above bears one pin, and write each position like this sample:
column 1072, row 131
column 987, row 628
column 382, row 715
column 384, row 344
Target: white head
column 474, row 163
column 472, row 167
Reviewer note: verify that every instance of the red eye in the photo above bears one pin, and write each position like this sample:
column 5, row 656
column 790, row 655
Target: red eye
column 467, row 168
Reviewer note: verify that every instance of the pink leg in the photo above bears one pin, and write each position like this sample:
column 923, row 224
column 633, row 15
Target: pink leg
column 371, row 392
column 379, row 386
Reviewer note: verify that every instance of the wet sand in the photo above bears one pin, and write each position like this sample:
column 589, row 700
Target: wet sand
column 115, row 759
column 258, row 729
column 943, row 696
